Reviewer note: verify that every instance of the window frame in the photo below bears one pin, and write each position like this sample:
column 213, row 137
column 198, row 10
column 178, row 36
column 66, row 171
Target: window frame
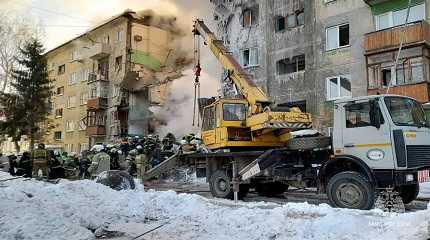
column 230, row 120
column 338, row 37
column 338, row 77
column 391, row 17
column 55, row 135
column 250, row 49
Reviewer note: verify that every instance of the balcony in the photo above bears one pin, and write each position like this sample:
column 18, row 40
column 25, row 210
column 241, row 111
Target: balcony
column 419, row 91
column 93, row 77
column 96, row 130
column 98, row 51
column 97, row 103
column 389, row 39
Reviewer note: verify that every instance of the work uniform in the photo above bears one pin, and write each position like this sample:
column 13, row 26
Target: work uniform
column 100, row 163
column 141, row 163
column 40, row 159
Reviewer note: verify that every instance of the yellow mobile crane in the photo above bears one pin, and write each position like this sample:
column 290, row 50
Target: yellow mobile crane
column 249, row 121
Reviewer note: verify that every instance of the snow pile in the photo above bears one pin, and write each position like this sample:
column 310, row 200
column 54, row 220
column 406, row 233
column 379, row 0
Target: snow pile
column 70, row 210
column 424, row 190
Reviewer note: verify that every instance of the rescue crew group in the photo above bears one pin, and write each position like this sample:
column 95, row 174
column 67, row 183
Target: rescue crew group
column 134, row 155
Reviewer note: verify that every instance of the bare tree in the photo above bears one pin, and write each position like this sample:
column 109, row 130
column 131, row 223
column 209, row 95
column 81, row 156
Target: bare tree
column 14, row 31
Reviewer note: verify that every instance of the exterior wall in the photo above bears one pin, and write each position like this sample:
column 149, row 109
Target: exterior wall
column 309, row 39
column 127, row 110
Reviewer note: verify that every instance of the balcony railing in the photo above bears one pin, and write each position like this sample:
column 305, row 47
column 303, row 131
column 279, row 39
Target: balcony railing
column 389, row 39
column 97, row 103
column 93, row 77
column 99, row 50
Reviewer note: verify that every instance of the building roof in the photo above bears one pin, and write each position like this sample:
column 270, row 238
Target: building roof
column 127, row 13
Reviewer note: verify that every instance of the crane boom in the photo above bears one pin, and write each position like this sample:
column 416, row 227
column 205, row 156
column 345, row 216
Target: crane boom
column 253, row 94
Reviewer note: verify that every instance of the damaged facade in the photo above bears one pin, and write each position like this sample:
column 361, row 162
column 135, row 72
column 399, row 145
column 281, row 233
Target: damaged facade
column 309, row 53
column 106, row 79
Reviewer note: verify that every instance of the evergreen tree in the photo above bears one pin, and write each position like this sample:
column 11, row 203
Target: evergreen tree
column 27, row 107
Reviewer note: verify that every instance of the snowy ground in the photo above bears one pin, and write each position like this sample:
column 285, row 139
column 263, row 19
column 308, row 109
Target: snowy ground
column 70, row 210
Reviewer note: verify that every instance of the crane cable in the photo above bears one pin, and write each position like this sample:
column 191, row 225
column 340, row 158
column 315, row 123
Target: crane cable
column 197, row 71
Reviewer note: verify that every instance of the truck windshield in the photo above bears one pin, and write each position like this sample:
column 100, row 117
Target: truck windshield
column 406, row 111
column 234, row 112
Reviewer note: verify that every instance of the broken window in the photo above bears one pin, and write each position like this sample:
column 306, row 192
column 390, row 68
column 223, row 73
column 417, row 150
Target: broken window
column 338, row 87
column 337, row 36
column 386, row 77
column 287, row 66
column 280, row 24
column 106, row 39
column 208, row 118
column 60, row 91
column 71, row 102
column 84, row 98
column 250, row 16
column 73, row 78
column 61, row 69
column 250, row 57
column 58, row 113
column 58, row 135
column 118, row 63
column 103, row 69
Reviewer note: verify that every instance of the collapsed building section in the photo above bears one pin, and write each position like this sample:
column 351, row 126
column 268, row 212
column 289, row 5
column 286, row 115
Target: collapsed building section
column 106, row 79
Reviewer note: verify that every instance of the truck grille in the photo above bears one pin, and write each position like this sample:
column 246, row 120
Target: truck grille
column 418, row 155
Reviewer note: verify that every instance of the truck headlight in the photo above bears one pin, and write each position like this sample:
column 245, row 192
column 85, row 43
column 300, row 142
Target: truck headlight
column 409, row 177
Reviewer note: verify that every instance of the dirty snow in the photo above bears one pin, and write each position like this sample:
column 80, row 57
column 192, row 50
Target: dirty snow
column 424, row 190
column 70, row 210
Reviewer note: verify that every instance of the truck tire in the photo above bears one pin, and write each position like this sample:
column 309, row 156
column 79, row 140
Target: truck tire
column 308, row 143
column 350, row 190
column 221, row 186
column 409, row 193
column 271, row 189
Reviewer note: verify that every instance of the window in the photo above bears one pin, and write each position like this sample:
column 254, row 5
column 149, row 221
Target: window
column 119, row 35
column 398, row 17
column 338, row 87
column 118, row 63
column 61, row 69
column 75, row 55
column 208, row 118
column 405, row 111
column 85, row 74
column 58, row 135
column 82, row 125
column 106, row 39
column 234, row 112
column 386, row 77
column 68, row 147
column 300, row 15
column 250, row 57
column 73, row 78
column 358, row 115
column 84, row 98
column 71, row 102
column 70, row 126
column 337, row 37
column 60, row 91
column 58, row 113
column 291, row 21
column 280, row 24
column 250, row 16
column 287, row 66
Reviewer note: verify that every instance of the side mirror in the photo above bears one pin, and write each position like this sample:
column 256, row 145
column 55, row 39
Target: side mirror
column 375, row 114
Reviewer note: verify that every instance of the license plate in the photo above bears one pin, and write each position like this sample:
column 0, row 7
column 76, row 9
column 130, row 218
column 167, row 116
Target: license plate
column 423, row 176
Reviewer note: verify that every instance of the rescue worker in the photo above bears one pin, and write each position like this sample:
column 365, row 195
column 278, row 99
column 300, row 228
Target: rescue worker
column 141, row 163
column 84, row 164
column 56, row 169
column 12, row 164
column 24, row 165
column 131, row 160
column 100, row 162
column 114, row 159
column 41, row 160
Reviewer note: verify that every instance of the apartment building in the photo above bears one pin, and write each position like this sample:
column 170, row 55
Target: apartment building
column 106, row 79
column 309, row 53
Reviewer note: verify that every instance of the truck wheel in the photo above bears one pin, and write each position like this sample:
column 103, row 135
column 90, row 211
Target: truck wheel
column 221, row 186
column 270, row 189
column 409, row 193
column 308, row 143
column 350, row 190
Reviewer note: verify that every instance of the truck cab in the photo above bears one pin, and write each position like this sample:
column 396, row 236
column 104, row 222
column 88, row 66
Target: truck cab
column 383, row 138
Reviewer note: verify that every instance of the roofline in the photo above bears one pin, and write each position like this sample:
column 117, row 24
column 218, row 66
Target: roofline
column 127, row 13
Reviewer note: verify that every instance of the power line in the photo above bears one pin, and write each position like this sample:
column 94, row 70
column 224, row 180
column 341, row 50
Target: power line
column 54, row 12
